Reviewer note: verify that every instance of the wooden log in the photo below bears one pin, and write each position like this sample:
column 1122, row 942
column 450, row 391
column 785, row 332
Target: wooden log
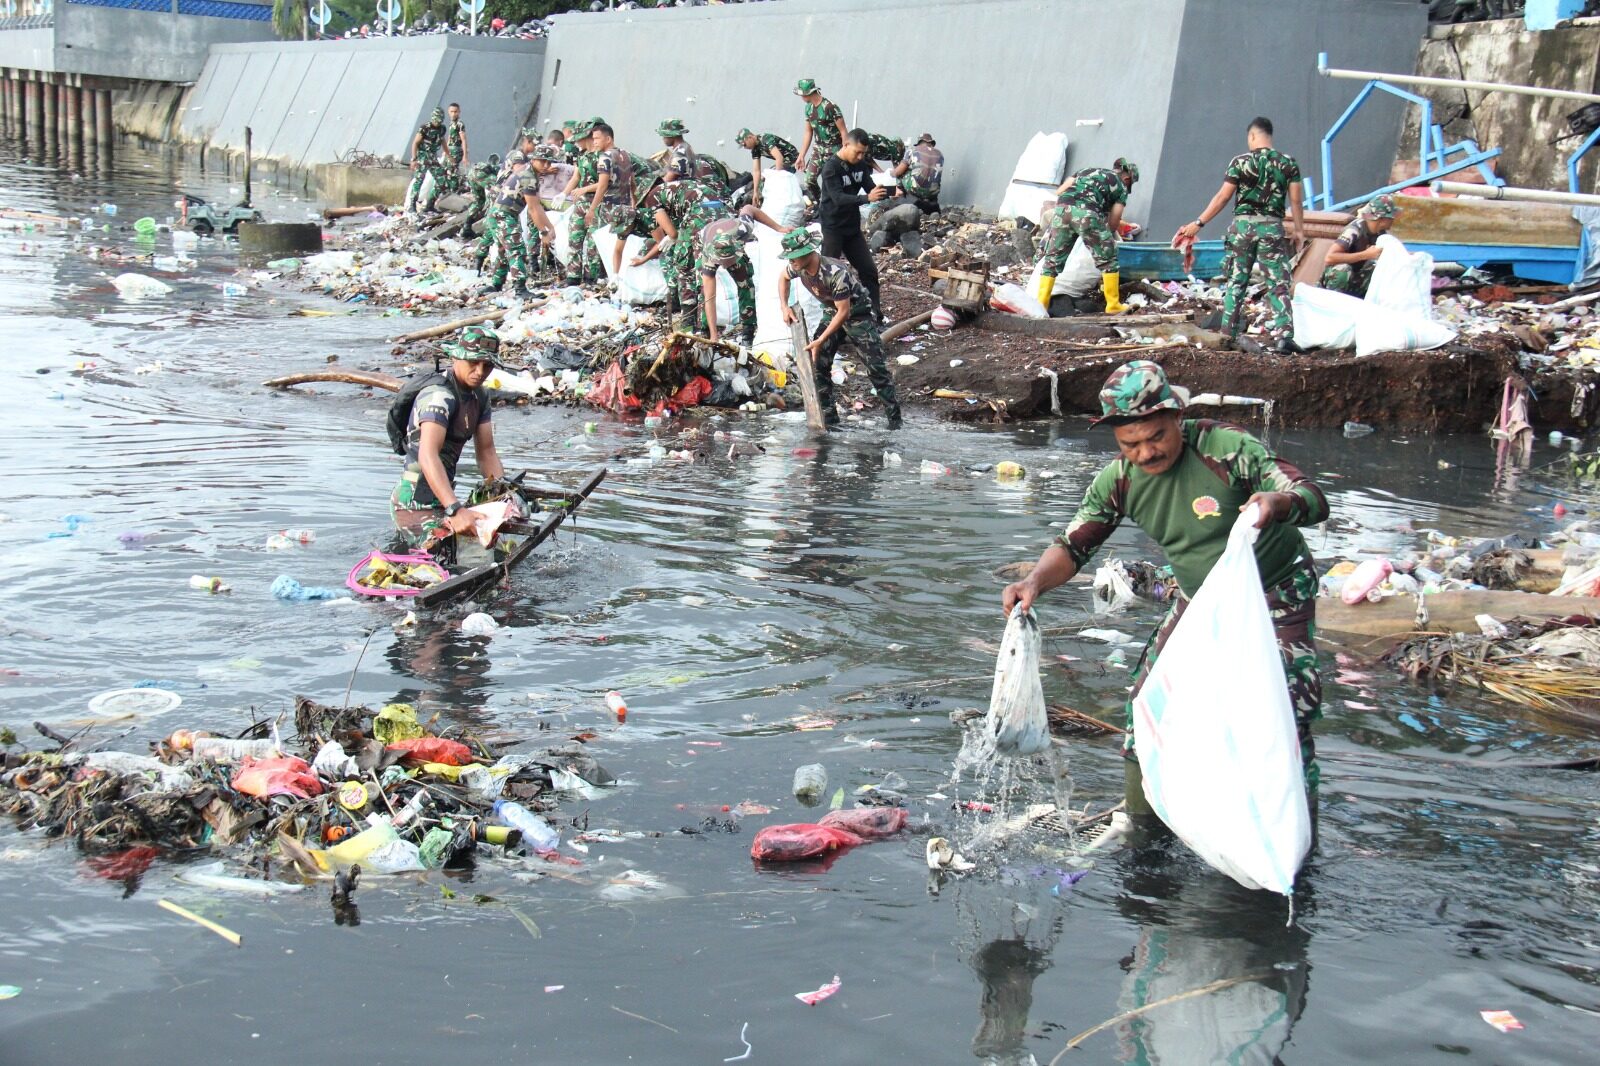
column 806, row 373
column 345, row 212
column 1070, row 327
column 386, row 382
column 450, row 327
column 1449, row 612
column 906, row 325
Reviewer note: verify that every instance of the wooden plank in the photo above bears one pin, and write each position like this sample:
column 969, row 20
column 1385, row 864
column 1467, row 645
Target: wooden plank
column 1070, row 327
column 1313, row 261
column 1469, row 221
column 804, row 370
column 1452, row 612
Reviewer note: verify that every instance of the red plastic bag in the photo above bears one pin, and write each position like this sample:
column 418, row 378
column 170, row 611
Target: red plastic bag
column 693, row 393
column 868, row 823
column 283, row 775
column 609, row 389
column 792, row 843
column 433, row 749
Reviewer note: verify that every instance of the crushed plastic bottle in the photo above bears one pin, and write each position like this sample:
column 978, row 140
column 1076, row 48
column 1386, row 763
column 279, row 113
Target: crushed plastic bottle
column 277, row 542
column 1356, row 429
column 209, row 584
column 810, row 782
column 537, row 834
column 299, row 536
column 224, row 749
column 618, row 705
column 478, row 624
column 233, row 288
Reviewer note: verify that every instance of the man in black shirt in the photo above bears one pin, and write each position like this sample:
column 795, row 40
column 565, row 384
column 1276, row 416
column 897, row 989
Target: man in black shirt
column 845, row 183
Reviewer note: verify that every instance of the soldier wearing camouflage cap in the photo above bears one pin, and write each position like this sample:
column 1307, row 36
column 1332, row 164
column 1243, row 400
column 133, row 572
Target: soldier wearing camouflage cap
column 583, row 258
column 766, row 150
column 720, row 246
column 825, row 133
column 1184, row 482
column 448, row 410
column 1355, row 251
column 847, row 313
column 1088, row 207
column 427, row 145
column 502, row 229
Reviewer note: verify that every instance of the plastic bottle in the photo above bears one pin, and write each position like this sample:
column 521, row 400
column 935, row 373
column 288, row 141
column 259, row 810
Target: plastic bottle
column 210, row 584
column 1365, row 581
column 618, row 705
column 233, row 288
column 299, row 536
column 356, row 848
column 277, row 542
column 537, row 834
column 1356, row 429
column 810, row 782
column 225, row 749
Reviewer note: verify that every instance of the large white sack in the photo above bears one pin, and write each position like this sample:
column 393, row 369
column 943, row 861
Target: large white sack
column 782, row 196
column 1215, row 730
column 1039, row 170
column 772, row 333
column 1017, row 724
column 1402, row 280
column 643, row 284
column 561, row 222
column 1324, row 318
column 1382, row 330
column 1079, row 277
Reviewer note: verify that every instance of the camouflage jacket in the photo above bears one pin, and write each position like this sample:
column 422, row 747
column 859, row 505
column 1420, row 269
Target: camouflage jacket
column 1097, row 188
column 1262, row 178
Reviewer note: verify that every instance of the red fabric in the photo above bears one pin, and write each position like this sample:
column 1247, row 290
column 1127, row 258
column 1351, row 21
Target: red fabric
column 791, row 843
column 283, row 775
column 690, row 395
column 868, row 823
column 433, row 749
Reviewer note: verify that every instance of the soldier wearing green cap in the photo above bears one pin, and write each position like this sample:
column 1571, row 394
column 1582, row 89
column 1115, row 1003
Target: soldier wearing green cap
column 766, row 149
column 1263, row 183
column 448, row 411
column 825, row 132
column 1183, row 481
column 1355, row 251
column 847, row 312
column 682, row 161
column 503, row 228
column 1089, row 207
column 455, row 148
column 425, row 148
column 681, row 210
column 583, row 258
column 720, row 245
column 479, row 179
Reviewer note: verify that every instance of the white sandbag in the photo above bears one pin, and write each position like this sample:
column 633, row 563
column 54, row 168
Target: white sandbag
column 772, row 333
column 1017, row 724
column 643, row 284
column 1039, row 170
column 727, row 299
column 1079, row 277
column 1382, row 330
column 1324, row 318
column 1215, row 731
column 1402, row 280
column 783, row 197
column 1013, row 299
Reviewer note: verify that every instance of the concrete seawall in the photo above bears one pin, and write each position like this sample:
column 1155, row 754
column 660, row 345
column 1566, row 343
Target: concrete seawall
column 1171, row 84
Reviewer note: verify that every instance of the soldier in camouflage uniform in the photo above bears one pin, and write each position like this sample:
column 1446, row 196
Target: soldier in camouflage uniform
column 479, row 181
column 455, row 149
column 766, row 150
column 682, row 161
column 1183, row 482
column 920, row 172
column 425, row 149
column 683, row 209
column 825, row 132
column 1089, row 206
column 720, row 245
column 1356, row 251
column 1261, row 182
column 847, row 311
column 583, row 258
column 504, row 227
column 882, row 149
column 569, row 141
column 550, row 177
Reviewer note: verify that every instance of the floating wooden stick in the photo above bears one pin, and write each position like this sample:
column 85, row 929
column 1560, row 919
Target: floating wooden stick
column 349, row 377
column 223, row 931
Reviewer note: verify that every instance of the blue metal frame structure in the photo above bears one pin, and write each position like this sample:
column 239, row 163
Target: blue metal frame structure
column 1434, row 154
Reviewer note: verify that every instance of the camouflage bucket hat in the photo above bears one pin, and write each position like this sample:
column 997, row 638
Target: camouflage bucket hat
column 1138, row 389
column 1381, row 207
column 569, row 125
column 797, row 244
column 516, row 155
column 726, row 245
column 805, row 87
column 1131, row 168
column 437, row 118
column 547, row 153
column 477, row 344
column 582, row 127
column 745, row 134
column 926, row 138
column 672, row 127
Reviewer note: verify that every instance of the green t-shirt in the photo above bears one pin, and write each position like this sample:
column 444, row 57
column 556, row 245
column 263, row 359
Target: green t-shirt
column 1190, row 508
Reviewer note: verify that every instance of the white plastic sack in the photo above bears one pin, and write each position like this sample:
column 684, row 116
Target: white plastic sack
column 1079, row 277
column 1215, row 730
column 1041, row 167
column 1381, row 330
column 782, row 197
column 1013, row 299
column 1402, row 280
column 645, row 284
column 1324, row 318
column 1017, row 724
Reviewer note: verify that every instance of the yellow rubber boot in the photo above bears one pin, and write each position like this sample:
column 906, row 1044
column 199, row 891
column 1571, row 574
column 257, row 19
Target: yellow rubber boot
column 1047, row 285
column 1112, row 284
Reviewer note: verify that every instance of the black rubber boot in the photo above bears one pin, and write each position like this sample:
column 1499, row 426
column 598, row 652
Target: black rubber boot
column 896, row 419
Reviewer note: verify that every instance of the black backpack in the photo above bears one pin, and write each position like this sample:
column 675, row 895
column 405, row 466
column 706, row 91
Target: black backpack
column 399, row 420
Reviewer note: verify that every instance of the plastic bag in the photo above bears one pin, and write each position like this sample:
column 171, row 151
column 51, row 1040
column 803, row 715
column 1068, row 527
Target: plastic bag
column 1038, row 172
column 782, row 197
column 1215, row 731
column 1013, row 299
column 792, row 843
column 868, row 823
column 1017, row 724
column 1079, row 276
column 1324, row 318
column 432, row 749
column 1402, row 280
column 282, row 776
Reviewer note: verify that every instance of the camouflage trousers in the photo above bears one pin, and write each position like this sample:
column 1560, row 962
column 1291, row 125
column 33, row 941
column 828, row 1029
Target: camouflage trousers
column 503, row 230
column 583, row 258
column 1352, row 278
column 454, row 180
column 1293, row 606
column 1254, row 239
column 743, row 275
column 862, row 331
column 1064, row 225
column 440, row 188
column 414, row 520
column 811, row 173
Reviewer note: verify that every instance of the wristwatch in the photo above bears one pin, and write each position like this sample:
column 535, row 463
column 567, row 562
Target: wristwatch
column 450, row 512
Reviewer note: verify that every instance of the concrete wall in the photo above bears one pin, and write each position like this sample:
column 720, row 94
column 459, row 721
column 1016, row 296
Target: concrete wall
column 1522, row 127
column 1162, row 76
column 123, row 43
column 311, row 103
column 1243, row 58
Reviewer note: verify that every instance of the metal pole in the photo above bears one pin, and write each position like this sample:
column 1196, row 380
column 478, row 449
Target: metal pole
column 1450, row 83
column 1502, row 192
column 247, row 136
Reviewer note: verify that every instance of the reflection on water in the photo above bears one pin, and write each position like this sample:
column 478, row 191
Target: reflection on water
column 732, row 602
